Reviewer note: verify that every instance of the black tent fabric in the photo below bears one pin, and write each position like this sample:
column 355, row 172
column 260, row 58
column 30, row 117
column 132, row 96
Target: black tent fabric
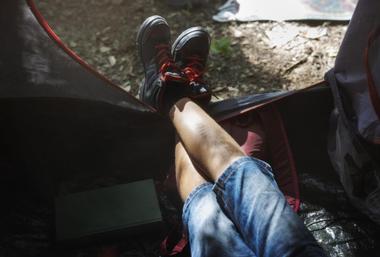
column 45, row 89
column 65, row 128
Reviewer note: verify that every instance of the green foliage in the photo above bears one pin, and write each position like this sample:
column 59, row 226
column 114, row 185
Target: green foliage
column 221, row 46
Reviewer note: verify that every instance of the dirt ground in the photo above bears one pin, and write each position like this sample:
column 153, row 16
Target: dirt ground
column 246, row 58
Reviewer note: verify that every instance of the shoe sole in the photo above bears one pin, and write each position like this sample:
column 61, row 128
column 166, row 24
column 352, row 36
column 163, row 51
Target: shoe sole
column 185, row 36
column 142, row 32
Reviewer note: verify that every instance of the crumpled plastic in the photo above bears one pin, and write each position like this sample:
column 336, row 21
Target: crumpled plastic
column 338, row 227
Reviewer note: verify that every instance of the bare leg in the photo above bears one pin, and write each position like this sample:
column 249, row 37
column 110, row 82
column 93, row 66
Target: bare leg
column 208, row 145
column 187, row 177
column 210, row 232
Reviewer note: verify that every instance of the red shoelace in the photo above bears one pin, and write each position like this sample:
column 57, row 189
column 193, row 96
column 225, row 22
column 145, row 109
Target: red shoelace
column 194, row 70
column 165, row 61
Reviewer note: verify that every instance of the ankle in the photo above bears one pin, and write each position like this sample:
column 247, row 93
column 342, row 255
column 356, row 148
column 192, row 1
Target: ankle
column 178, row 106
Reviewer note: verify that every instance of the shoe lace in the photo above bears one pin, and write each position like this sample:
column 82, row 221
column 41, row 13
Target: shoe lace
column 195, row 69
column 165, row 61
column 194, row 72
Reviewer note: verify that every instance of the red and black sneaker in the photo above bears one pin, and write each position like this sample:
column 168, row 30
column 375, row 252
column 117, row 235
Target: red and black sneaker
column 164, row 81
column 190, row 52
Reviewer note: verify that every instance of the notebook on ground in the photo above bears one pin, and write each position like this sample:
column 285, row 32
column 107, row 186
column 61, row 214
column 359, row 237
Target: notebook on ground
column 110, row 212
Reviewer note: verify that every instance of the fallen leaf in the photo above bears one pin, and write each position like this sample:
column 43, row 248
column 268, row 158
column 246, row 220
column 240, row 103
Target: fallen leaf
column 72, row 44
column 104, row 49
column 112, row 60
column 315, row 33
column 280, row 35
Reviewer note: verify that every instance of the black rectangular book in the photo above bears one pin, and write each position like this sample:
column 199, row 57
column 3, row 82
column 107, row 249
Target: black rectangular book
column 107, row 213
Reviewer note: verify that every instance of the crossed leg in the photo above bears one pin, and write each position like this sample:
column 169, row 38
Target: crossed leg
column 209, row 146
column 243, row 194
column 209, row 231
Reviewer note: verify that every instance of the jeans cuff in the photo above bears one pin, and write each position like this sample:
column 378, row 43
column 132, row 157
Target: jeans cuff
column 222, row 180
column 192, row 197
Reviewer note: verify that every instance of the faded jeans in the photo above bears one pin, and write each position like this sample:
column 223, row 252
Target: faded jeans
column 245, row 214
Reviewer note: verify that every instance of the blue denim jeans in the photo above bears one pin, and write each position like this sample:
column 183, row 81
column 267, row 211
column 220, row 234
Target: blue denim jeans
column 245, row 214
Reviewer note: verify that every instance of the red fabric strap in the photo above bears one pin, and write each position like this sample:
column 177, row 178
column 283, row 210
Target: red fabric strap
column 177, row 248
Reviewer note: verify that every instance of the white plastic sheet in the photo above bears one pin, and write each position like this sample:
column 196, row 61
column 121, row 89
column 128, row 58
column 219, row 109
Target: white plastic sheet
column 252, row 10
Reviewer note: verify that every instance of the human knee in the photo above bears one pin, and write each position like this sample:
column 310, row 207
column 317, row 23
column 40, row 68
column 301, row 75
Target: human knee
column 205, row 215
